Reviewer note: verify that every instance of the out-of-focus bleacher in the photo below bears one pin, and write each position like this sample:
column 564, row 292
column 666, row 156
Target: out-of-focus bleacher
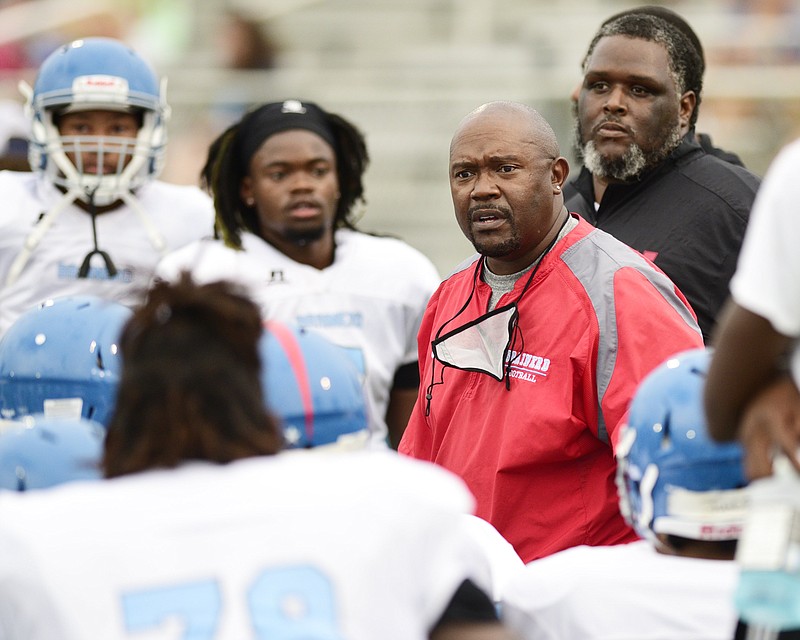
column 406, row 72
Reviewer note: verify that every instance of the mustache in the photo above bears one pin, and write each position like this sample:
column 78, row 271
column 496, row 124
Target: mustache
column 479, row 210
column 612, row 120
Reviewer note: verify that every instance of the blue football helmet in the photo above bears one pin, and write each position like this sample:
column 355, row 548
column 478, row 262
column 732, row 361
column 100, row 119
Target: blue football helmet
column 313, row 386
column 96, row 74
column 671, row 476
column 38, row 452
column 62, row 359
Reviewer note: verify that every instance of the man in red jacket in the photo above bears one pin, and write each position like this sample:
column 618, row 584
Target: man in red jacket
column 531, row 352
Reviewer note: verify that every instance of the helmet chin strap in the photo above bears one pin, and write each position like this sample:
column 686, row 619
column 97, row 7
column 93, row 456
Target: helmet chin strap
column 83, row 272
column 154, row 235
column 35, row 236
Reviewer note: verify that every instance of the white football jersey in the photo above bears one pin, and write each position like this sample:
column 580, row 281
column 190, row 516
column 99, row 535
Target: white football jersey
column 370, row 300
column 504, row 562
column 296, row 545
column 179, row 215
column 622, row 592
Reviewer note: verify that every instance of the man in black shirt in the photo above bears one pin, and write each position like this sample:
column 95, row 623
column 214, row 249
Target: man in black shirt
column 646, row 179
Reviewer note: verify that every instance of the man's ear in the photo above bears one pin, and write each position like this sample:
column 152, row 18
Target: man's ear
column 687, row 107
column 559, row 172
column 246, row 189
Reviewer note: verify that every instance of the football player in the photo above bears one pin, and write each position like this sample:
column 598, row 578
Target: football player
column 203, row 528
column 91, row 217
column 287, row 181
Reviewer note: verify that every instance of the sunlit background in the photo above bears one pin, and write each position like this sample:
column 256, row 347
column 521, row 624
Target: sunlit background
column 405, row 72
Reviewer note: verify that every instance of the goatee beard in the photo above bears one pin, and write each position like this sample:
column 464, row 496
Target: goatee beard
column 305, row 236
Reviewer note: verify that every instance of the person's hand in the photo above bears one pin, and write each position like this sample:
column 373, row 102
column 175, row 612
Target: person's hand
column 771, row 423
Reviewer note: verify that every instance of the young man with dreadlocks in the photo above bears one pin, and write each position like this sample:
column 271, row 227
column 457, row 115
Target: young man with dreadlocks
column 285, row 179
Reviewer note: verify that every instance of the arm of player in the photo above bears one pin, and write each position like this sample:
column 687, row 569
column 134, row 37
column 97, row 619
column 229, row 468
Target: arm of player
column 473, row 631
column 770, row 422
column 747, row 352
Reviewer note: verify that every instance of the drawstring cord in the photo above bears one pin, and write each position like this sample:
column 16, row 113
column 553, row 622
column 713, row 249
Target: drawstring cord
column 429, row 390
column 515, row 331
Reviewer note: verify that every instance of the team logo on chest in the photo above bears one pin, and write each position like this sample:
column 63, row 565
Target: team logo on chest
column 526, row 366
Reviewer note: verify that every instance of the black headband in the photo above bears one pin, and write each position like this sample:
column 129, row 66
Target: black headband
column 275, row 117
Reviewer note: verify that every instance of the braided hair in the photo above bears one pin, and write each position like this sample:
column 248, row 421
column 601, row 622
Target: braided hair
column 229, row 156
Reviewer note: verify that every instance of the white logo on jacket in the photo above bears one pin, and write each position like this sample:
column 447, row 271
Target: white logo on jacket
column 526, row 366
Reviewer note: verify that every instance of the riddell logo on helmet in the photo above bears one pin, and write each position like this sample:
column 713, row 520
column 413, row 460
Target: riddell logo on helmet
column 100, row 83
column 720, row 532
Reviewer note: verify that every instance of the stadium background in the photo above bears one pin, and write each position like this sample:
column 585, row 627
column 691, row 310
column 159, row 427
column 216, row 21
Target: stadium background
column 406, row 72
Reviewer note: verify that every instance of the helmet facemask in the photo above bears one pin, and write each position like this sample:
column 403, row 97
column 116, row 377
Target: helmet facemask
column 61, row 158
column 120, row 164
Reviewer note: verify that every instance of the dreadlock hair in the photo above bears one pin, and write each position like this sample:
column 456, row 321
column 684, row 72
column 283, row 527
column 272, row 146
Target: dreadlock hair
column 685, row 56
column 228, row 163
column 190, row 386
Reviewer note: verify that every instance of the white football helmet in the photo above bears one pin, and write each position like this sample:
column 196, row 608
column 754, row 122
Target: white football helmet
column 97, row 74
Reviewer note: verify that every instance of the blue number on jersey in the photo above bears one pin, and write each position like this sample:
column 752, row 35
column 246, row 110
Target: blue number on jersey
column 196, row 605
column 284, row 604
column 296, row 602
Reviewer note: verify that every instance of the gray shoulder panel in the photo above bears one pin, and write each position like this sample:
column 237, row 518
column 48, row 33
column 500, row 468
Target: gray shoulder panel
column 594, row 260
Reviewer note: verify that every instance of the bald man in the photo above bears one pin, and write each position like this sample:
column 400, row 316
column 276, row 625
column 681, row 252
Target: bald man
column 530, row 352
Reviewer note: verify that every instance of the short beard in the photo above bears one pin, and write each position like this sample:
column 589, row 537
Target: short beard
column 497, row 251
column 500, row 250
column 630, row 164
column 622, row 168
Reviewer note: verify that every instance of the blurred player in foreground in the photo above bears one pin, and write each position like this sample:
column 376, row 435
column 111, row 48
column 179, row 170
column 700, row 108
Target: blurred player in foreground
column 200, row 529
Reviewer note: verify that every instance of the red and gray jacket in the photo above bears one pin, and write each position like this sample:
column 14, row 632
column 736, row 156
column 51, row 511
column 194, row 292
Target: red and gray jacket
column 535, row 447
